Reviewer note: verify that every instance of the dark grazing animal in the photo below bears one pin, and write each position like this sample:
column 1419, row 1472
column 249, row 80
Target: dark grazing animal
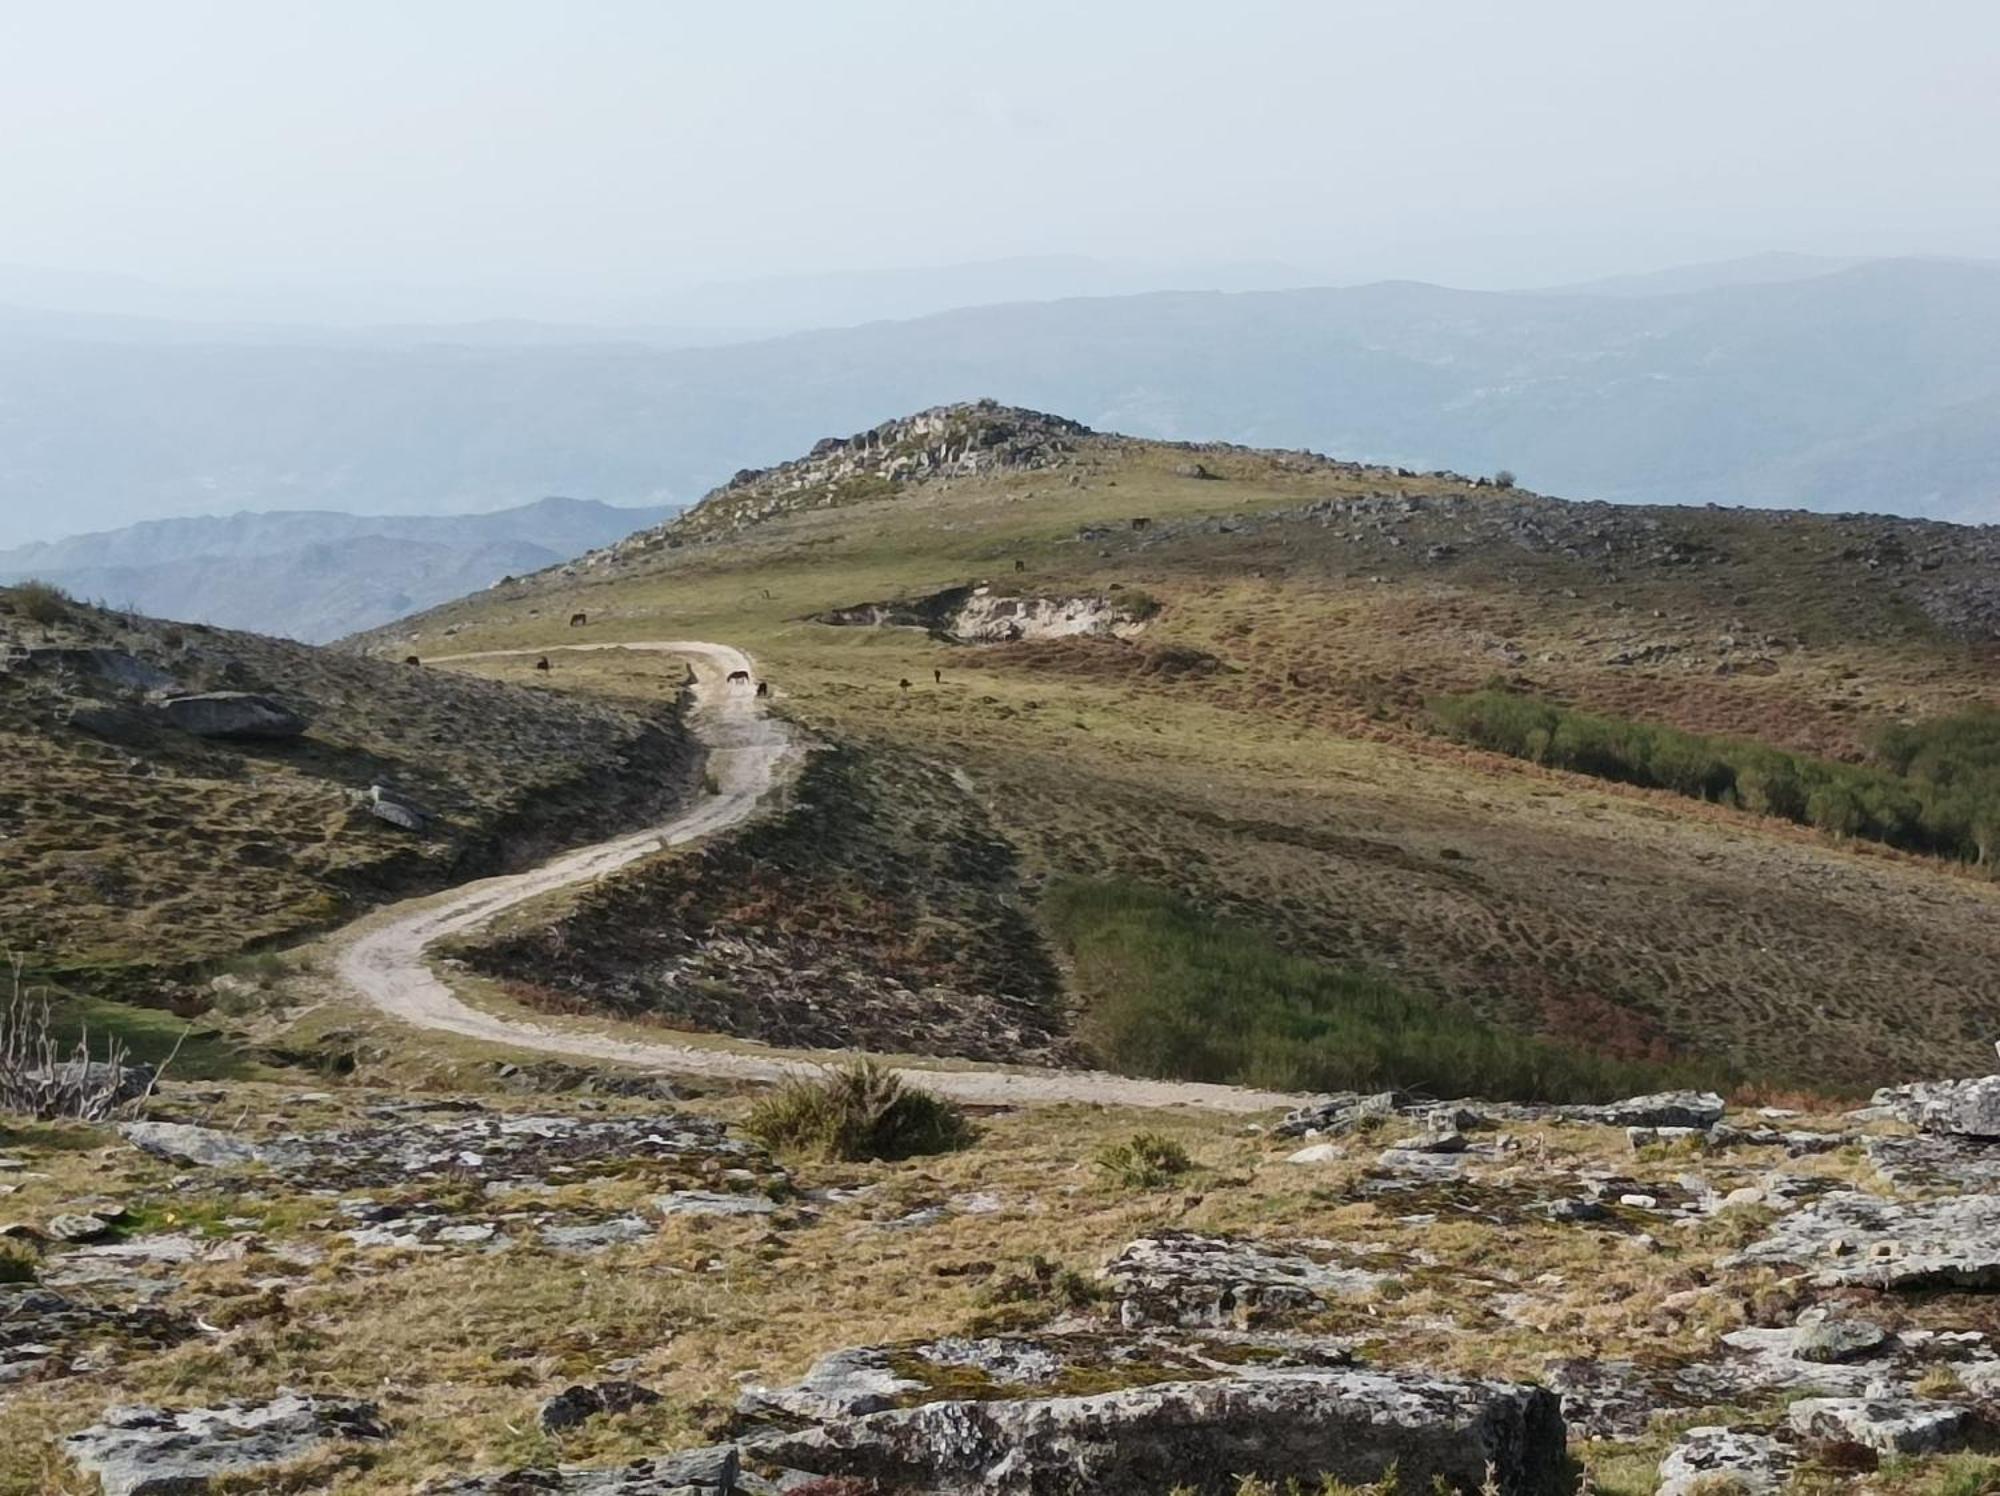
column 763, row 688
column 938, row 676
column 411, row 660
column 905, row 683
column 578, row 620
column 739, row 675
column 542, row 663
column 1020, row 565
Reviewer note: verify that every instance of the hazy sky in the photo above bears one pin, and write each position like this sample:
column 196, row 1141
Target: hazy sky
column 520, row 151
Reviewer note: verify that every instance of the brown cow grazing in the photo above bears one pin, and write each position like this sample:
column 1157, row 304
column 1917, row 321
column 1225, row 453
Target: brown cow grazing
column 739, row 677
column 578, row 620
column 542, row 663
column 411, row 660
column 763, row 688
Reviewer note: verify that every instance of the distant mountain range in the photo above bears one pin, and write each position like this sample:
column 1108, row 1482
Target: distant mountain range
column 314, row 575
column 1782, row 380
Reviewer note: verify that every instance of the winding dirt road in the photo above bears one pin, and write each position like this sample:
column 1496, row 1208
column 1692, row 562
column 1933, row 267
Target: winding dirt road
column 382, row 957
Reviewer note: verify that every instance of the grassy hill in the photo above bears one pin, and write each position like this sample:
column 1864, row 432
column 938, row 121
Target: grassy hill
column 137, row 853
column 1261, row 743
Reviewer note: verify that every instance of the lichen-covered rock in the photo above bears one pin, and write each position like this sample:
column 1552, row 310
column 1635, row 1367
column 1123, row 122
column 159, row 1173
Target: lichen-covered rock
column 491, row 1147
column 1886, row 1425
column 578, row 1404
column 1180, row 1278
column 183, row 1142
column 1853, row 1238
column 693, row 1472
column 1715, row 1461
column 1663, row 1109
column 232, row 714
column 147, row 1451
column 1966, row 1109
column 1201, row 1436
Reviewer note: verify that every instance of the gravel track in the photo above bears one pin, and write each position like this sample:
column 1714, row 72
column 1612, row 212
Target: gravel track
column 381, row 958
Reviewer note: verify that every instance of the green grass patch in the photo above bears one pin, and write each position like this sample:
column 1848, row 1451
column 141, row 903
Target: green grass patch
column 857, row 1111
column 149, row 1036
column 1173, row 993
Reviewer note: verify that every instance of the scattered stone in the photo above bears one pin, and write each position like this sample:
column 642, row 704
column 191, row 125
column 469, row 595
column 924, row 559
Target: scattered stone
column 1821, row 1337
column 1714, row 1461
column 1888, row 1426
column 1317, row 1153
column 1179, row 1278
column 576, row 1405
column 148, row 1451
column 232, row 714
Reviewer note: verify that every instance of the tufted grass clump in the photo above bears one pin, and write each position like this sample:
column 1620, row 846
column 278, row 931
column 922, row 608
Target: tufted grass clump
column 17, row 1263
column 1144, row 1161
column 857, row 1111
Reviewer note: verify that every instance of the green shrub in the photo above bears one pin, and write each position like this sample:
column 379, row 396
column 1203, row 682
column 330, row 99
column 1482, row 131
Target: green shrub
column 1935, row 786
column 1171, row 992
column 17, row 1263
column 41, row 602
column 1144, row 1161
column 857, row 1111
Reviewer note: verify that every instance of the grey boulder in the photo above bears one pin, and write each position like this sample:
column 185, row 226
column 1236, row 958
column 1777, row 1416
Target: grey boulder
column 147, row 1451
column 232, row 714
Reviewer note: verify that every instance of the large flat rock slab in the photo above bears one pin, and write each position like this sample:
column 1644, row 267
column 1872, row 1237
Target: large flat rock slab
column 149, row 1451
column 1849, row 1237
column 1201, row 1437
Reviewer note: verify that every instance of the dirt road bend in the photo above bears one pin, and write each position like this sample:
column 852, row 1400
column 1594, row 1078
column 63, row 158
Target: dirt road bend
column 382, row 957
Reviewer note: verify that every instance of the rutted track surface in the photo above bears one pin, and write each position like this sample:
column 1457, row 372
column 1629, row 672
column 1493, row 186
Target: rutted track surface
column 383, row 957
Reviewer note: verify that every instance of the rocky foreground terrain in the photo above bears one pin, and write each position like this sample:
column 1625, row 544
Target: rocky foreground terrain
column 573, row 1282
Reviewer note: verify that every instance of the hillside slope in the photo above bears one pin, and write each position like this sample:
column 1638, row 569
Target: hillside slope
column 1206, row 670
column 145, row 836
